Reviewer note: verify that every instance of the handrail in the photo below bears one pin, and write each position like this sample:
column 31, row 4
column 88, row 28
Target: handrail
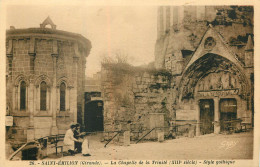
column 54, row 136
column 18, row 150
column 27, row 143
column 118, row 132
column 175, row 127
column 113, row 138
column 145, row 135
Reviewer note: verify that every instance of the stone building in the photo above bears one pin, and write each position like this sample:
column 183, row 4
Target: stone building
column 210, row 53
column 45, row 80
column 204, row 74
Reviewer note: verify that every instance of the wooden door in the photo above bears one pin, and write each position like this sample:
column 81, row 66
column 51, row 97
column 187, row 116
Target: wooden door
column 228, row 112
column 206, row 116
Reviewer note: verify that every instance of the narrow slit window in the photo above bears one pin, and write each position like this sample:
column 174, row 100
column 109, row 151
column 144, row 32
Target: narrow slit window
column 43, row 95
column 23, row 96
column 62, row 97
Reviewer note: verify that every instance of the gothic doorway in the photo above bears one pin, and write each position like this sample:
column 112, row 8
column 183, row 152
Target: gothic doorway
column 93, row 117
column 228, row 111
column 206, row 116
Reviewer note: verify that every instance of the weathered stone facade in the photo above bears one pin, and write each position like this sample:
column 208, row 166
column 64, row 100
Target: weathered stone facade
column 45, row 59
column 132, row 99
column 211, row 57
column 204, row 73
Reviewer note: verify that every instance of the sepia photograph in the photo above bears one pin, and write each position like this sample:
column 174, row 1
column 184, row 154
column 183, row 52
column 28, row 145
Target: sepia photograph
column 171, row 84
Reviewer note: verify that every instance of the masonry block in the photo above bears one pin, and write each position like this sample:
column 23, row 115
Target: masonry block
column 160, row 136
column 126, row 138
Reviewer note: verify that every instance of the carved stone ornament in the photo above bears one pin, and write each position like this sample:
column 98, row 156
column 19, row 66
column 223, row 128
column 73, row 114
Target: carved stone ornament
column 209, row 43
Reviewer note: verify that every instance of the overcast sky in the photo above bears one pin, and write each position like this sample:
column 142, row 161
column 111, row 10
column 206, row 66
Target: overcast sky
column 131, row 29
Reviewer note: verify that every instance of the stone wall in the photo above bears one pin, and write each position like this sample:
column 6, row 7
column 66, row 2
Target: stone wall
column 43, row 63
column 130, row 97
column 117, row 97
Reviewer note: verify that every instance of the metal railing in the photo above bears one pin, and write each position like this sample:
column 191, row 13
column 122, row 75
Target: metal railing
column 38, row 141
column 113, row 137
column 20, row 149
column 56, row 137
column 175, row 129
column 145, row 135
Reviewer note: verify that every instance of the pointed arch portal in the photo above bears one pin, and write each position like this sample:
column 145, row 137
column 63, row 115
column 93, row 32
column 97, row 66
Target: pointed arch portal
column 220, row 89
column 209, row 70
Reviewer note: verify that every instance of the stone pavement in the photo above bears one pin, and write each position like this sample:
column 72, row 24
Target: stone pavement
column 212, row 146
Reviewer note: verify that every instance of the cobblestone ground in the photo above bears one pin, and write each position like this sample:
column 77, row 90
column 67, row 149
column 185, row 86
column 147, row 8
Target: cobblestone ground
column 233, row 146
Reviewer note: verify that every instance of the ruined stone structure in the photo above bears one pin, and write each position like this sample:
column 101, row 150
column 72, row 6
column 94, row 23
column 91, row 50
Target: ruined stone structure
column 135, row 100
column 45, row 80
column 204, row 60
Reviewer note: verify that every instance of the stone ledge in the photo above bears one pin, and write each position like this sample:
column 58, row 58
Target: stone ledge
column 43, row 114
column 20, row 114
column 46, row 32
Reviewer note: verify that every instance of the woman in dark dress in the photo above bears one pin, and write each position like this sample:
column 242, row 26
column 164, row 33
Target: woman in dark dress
column 78, row 136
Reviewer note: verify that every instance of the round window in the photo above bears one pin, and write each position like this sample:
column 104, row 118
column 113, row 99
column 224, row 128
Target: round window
column 209, row 43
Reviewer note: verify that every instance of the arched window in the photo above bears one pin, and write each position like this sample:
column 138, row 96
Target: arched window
column 22, row 95
column 43, row 96
column 62, row 97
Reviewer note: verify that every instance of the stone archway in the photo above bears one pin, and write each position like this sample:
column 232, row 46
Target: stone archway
column 211, row 64
column 213, row 77
column 93, row 116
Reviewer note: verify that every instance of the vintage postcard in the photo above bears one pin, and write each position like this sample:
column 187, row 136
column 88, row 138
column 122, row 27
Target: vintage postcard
column 127, row 83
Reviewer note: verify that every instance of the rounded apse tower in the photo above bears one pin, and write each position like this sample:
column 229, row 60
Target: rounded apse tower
column 45, row 80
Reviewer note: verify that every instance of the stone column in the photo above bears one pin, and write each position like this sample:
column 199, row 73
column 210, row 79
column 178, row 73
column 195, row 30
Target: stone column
column 75, row 94
column 198, row 118
column 9, row 55
column 10, row 64
column 30, row 130
column 127, row 138
column 216, row 116
column 18, row 97
column 15, row 100
column 68, row 101
column 83, row 90
column 54, row 128
column 30, row 102
column 31, row 89
column 58, row 99
column 9, row 86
